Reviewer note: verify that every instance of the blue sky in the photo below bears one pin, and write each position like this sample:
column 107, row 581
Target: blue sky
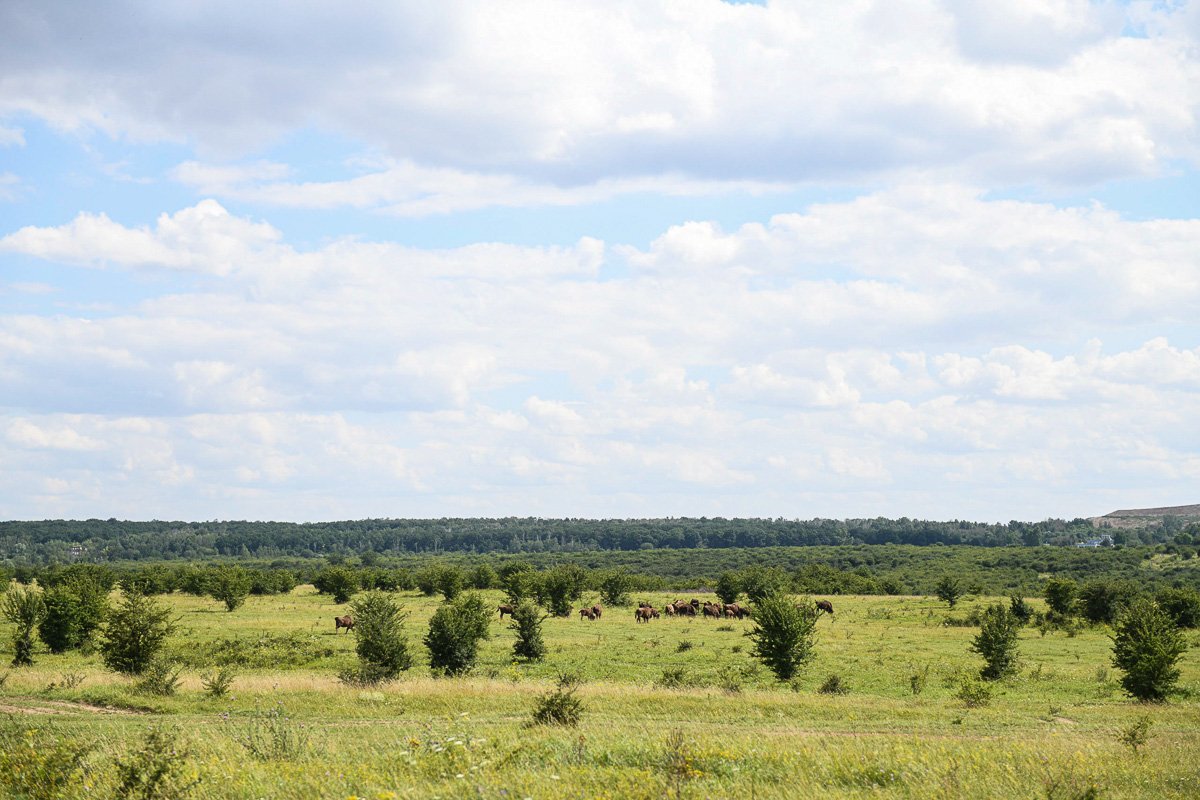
column 320, row 260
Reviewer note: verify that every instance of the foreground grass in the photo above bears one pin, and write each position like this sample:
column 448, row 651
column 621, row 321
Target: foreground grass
column 728, row 729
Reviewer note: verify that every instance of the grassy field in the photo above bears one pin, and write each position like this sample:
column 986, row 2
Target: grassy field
column 671, row 708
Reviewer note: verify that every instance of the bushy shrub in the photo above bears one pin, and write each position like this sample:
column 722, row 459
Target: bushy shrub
column 230, row 585
column 1181, row 605
column 1020, row 609
column 527, row 622
column 381, row 644
column 482, row 577
column 156, row 770
column 948, row 590
column 974, row 693
column 134, row 633
column 517, row 579
column 272, row 735
column 39, row 762
column 997, row 642
column 25, row 607
column 759, row 583
column 455, row 631
column 784, row 634
column 449, row 581
column 338, row 581
column 560, row 706
column 558, row 588
column 728, row 587
column 1147, row 647
column 834, row 685
column 1103, row 601
column 218, row 682
column 1060, row 594
column 615, row 586
column 673, row 678
column 160, row 677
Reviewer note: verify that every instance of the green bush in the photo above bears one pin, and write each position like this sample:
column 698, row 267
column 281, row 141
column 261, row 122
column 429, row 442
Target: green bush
column 483, row 577
column 75, row 608
column 134, row 633
column 974, row 693
column 39, row 762
column 25, row 607
column 455, row 631
column 381, row 644
column 1020, row 609
column 155, row 771
column 340, row 582
column 218, row 682
column 231, row 586
column 160, row 677
column 1103, row 601
column 834, row 685
column 948, row 590
column 760, row 583
column 558, row 588
column 997, row 642
column 1060, row 594
column 1147, row 647
column 517, row 579
column 1182, row 605
column 449, row 581
column 615, row 586
column 784, row 634
column 272, row 735
column 728, row 587
column 560, row 706
column 527, row 622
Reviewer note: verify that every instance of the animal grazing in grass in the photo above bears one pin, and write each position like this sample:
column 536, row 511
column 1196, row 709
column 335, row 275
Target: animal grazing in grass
column 505, row 608
column 712, row 610
column 346, row 622
column 597, row 610
column 736, row 610
column 586, row 613
column 826, row 606
column 644, row 614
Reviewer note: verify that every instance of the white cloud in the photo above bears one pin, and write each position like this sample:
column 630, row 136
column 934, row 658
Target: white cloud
column 524, row 103
column 11, row 137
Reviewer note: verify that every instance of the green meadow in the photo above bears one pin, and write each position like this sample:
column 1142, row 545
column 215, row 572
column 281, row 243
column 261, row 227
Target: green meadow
column 672, row 708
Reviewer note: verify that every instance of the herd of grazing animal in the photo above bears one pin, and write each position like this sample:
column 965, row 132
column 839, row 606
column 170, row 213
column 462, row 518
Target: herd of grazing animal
column 644, row 613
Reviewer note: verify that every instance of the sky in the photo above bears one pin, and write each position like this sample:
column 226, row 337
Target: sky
column 317, row 260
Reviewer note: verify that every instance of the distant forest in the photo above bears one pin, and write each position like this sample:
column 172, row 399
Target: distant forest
column 94, row 540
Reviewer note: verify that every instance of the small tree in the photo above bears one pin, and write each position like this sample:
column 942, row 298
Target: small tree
column 559, row 588
column 760, row 583
column 23, row 606
column 615, row 586
column 455, row 631
column 1181, row 605
column 380, row 641
column 948, row 590
column 997, row 642
column 449, row 581
column 75, row 608
column 341, row 582
column 482, row 577
column 784, row 634
column 517, row 579
column 134, row 633
column 1060, row 595
column 729, row 587
column 1146, row 647
column 1102, row 601
column 527, row 622
column 231, row 586
column 1020, row 609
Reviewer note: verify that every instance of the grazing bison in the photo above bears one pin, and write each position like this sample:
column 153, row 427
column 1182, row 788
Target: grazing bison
column 670, row 609
column 505, row 608
column 644, row 614
column 586, row 613
column 597, row 610
column 826, row 606
column 712, row 610
column 346, row 622
column 736, row 610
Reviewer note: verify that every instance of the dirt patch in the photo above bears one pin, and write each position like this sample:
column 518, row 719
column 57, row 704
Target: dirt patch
column 60, row 707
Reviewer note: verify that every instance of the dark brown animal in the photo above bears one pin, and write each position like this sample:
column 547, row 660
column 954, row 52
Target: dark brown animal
column 826, row 606
column 505, row 608
column 644, row 614
column 687, row 610
column 597, row 610
column 736, row 610
column 712, row 610
column 346, row 622
column 670, row 609
column 586, row 613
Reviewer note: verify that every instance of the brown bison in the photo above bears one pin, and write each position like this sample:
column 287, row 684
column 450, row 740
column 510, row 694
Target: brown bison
column 505, row 608
column 826, row 606
column 586, row 613
column 346, row 622
column 712, row 610
column 736, row 610
column 597, row 610
column 644, row 614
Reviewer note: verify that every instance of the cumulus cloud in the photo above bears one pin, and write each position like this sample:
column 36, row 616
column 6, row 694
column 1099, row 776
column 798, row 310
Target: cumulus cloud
column 551, row 104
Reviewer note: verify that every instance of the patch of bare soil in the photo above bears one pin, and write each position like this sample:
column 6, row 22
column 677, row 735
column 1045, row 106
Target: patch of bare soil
column 36, row 706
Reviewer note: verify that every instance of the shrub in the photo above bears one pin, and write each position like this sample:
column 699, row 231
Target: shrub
column 1102, row 601
column 1060, row 595
column 728, row 587
column 455, row 631
column 997, row 642
column 155, row 771
column 1020, row 609
column 449, row 581
column 834, row 685
column 25, row 607
column 75, row 609
column 482, row 577
column 759, row 583
column 517, row 579
column 1146, row 647
column 560, row 706
column 783, row 634
column 918, row 679
column 1137, row 734
column 219, row 682
column 340, row 582
column 673, row 678
column 272, row 735
column 1181, row 605
column 558, row 588
column 527, row 622
column 615, row 586
column 380, row 642
column 134, row 634
column 160, row 677
column 974, row 693
column 948, row 590
column 39, row 763
column 230, row 585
